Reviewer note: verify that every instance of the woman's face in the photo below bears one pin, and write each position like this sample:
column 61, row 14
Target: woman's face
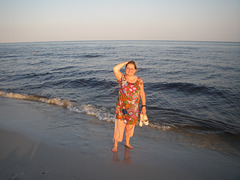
column 130, row 70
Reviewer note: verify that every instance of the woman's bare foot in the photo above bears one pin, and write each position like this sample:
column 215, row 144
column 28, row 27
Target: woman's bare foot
column 114, row 149
column 129, row 146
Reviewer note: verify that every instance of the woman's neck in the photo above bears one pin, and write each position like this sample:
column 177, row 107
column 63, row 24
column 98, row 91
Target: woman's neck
column 131, row 76
column 131, row 79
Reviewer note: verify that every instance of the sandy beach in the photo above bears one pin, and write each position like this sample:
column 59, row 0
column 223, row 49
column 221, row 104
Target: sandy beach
column 34, row 146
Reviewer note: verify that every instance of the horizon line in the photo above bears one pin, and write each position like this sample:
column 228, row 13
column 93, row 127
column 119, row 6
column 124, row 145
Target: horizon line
column 121, row 40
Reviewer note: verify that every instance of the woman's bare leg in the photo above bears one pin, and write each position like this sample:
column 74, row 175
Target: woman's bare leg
column 115, row 146
column 127, row 143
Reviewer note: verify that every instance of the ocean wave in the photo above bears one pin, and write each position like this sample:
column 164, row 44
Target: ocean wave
column 48, row 80
column 64, row 56
column 8, row 56
column 188, row 88
column 91, row 56
column 100, row 113
column 211, row 126
column 178, row 120
column 161, row 127
column 88, row 82
column 188, row 123
column 63, row 68
column 25, row 76
column 54, row 101
column 44, row 54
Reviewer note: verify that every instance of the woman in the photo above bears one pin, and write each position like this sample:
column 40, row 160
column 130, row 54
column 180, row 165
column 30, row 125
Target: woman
column 126, row 116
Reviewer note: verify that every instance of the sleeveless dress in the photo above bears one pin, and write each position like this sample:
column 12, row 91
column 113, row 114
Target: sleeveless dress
column 128, row 100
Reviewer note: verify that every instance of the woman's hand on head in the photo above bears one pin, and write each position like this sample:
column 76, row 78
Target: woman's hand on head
column 116, row 70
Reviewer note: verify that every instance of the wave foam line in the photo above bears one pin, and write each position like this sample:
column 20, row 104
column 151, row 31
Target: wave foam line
column 101, row 113
column 161, row 127
column 54, row 101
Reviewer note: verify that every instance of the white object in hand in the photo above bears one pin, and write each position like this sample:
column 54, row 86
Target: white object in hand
column 143, row 120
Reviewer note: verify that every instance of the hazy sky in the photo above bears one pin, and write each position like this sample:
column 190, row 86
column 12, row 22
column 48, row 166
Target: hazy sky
column 67, row 20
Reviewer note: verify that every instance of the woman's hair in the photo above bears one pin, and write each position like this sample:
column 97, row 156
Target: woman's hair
column 131, row 62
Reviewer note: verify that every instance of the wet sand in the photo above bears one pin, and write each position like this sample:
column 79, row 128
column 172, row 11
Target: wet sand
column 45, row 153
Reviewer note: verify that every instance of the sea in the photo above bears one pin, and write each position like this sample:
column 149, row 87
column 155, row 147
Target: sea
column 192, row 88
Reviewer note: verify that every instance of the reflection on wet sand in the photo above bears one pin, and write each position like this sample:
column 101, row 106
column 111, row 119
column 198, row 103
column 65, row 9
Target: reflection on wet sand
column 126, row 158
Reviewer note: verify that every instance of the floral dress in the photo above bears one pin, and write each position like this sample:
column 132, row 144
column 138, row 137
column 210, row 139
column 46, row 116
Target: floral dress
column 128, row 100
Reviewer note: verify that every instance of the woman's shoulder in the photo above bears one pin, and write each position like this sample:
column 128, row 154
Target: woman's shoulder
column 139, row 80
column 122, row 77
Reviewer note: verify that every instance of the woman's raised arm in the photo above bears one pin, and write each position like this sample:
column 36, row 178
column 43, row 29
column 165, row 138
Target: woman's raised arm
column 116, row 70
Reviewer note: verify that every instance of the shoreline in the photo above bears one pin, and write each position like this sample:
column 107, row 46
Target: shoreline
column 36, row 145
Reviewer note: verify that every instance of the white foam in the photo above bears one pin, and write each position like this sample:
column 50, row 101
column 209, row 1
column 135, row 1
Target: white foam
column 161, row 127
column 101, row 113
column 55, row 101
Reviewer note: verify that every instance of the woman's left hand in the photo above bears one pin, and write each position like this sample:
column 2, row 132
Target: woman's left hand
column 144, row 110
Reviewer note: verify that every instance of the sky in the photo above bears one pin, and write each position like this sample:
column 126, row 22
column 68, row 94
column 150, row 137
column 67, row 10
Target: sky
column 74, row 20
